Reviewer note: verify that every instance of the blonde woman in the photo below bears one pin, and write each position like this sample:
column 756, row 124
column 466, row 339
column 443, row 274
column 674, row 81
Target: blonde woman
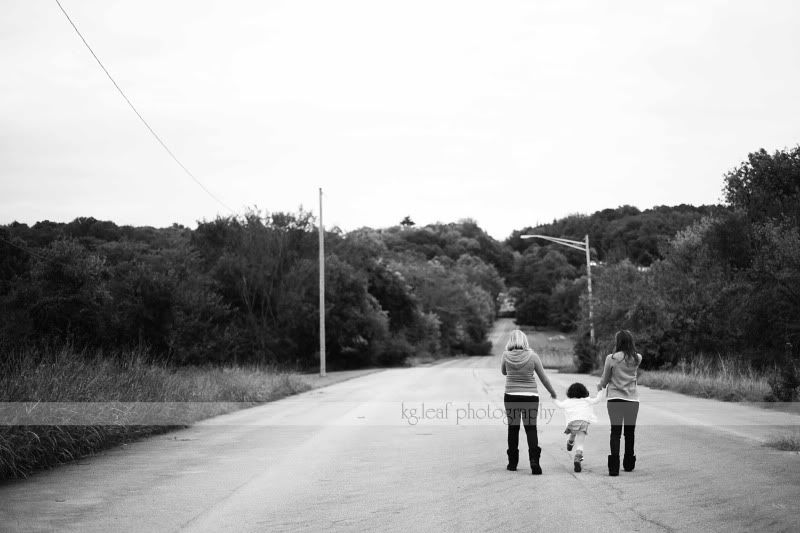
column 521, row 398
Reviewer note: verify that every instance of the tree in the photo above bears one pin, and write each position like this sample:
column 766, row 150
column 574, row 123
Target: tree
column 767, row 187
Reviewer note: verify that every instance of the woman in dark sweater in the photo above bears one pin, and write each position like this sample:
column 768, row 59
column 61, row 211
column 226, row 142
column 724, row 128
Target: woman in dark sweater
column 521, row 399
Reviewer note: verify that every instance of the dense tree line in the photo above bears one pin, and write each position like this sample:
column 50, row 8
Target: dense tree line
column 711, row 279
column 621, row 233
column 727, row 285
column 547, row 279
column 241, row 289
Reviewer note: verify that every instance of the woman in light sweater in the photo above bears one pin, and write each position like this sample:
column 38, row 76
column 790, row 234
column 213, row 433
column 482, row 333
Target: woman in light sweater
column 521, row 398
column 619, row 375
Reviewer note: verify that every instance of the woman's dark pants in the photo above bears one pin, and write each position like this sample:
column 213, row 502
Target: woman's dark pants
column 622, row 414
column 521, row 409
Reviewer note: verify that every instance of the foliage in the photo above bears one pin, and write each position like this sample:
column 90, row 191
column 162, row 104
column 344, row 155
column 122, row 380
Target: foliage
column 244, row 289
column 727, row 284
column 536, row 273
column 53, row 378
column 767, row 187
column 787, row 442
column 616, row 234
column 450, row 240
column 726, row 379
column 585, row 354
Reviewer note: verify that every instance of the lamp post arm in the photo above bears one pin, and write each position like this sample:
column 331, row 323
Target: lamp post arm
column 560, row 240
column 578, row 245
column 584, row 247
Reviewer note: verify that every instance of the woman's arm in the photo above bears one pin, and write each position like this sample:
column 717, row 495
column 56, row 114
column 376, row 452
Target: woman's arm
column 537, row 365
column 606, row 375
column 600, row 396
column 503, row 364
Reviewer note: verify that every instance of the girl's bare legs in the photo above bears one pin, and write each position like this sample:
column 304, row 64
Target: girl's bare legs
column 580, row 438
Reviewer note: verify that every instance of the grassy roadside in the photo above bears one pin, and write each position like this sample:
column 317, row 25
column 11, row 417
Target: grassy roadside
column 554, row 348
column 704, row 377
column 66, row 376
column 708, row 378
column 787, row 442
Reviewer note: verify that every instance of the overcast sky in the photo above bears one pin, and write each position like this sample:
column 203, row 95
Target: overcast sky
column 507, row 112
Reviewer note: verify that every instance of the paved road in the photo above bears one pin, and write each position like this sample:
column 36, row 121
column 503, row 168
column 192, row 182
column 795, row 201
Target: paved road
column 351, row 457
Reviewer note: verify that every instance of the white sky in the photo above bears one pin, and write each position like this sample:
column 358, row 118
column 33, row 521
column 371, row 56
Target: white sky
column 508, row 112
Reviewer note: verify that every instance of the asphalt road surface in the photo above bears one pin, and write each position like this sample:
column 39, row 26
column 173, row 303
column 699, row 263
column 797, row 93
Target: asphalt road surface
column 423, row 449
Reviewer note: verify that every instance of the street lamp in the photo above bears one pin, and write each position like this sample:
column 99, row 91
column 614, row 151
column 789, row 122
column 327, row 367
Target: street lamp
column 578, row 245
column 321, row 290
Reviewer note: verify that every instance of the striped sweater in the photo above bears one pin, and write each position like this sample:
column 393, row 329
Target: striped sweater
column 520, row 367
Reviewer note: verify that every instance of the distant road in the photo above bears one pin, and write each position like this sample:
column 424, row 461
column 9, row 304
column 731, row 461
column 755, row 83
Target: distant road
column 350, row 457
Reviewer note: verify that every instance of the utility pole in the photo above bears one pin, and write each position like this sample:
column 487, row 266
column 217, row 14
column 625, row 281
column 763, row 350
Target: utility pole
column 321, row 290
column 589, row 286
column 578, row 245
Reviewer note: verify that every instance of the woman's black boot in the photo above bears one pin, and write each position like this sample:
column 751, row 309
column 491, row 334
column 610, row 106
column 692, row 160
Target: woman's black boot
column 534, row 455
column 629, row 462
column 613, row 465
column 513, row 459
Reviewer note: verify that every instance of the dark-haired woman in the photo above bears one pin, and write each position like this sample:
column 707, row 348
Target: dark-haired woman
column 619, row 375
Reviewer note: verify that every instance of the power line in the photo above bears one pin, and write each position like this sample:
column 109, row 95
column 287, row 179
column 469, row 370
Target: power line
column 25, row 249
column 161, row 142
column 32, row 253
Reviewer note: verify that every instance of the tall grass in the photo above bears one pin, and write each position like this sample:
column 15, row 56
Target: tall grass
column 554, row 348
column 707, row 377
column 787, row 442
column 64, row 375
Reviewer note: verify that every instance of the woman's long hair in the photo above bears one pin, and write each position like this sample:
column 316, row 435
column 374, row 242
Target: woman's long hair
column 624, row 343
column 517, row 341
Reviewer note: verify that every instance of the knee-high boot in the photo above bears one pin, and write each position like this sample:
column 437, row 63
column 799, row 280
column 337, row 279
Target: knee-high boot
column 513, row 459
column 613, row 465
column 534, row 455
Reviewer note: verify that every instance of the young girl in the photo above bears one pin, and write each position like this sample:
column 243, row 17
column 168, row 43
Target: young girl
column 619, row 374
column 521, row 399
column 579, row 412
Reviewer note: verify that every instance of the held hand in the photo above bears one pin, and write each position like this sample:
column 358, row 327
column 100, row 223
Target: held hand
column 553, row 395
column 599, row 387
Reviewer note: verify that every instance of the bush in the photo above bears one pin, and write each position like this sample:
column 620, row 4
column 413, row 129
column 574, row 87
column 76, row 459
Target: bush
column 395, row 351
column 533, row 310
column 585, row 355
column 785, row 383
column 786, row 442
column 478, row 348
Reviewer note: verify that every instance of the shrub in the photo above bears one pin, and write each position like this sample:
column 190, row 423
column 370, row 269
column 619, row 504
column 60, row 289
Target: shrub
column 394, row 351
column 786, row 443
column 533, row 309
column 477, row 348
column 585, row 357
column 785, row 382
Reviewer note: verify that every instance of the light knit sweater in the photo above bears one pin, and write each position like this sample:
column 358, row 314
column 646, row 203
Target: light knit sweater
column 519, row 367
column 579, row 408
column 620, row 376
